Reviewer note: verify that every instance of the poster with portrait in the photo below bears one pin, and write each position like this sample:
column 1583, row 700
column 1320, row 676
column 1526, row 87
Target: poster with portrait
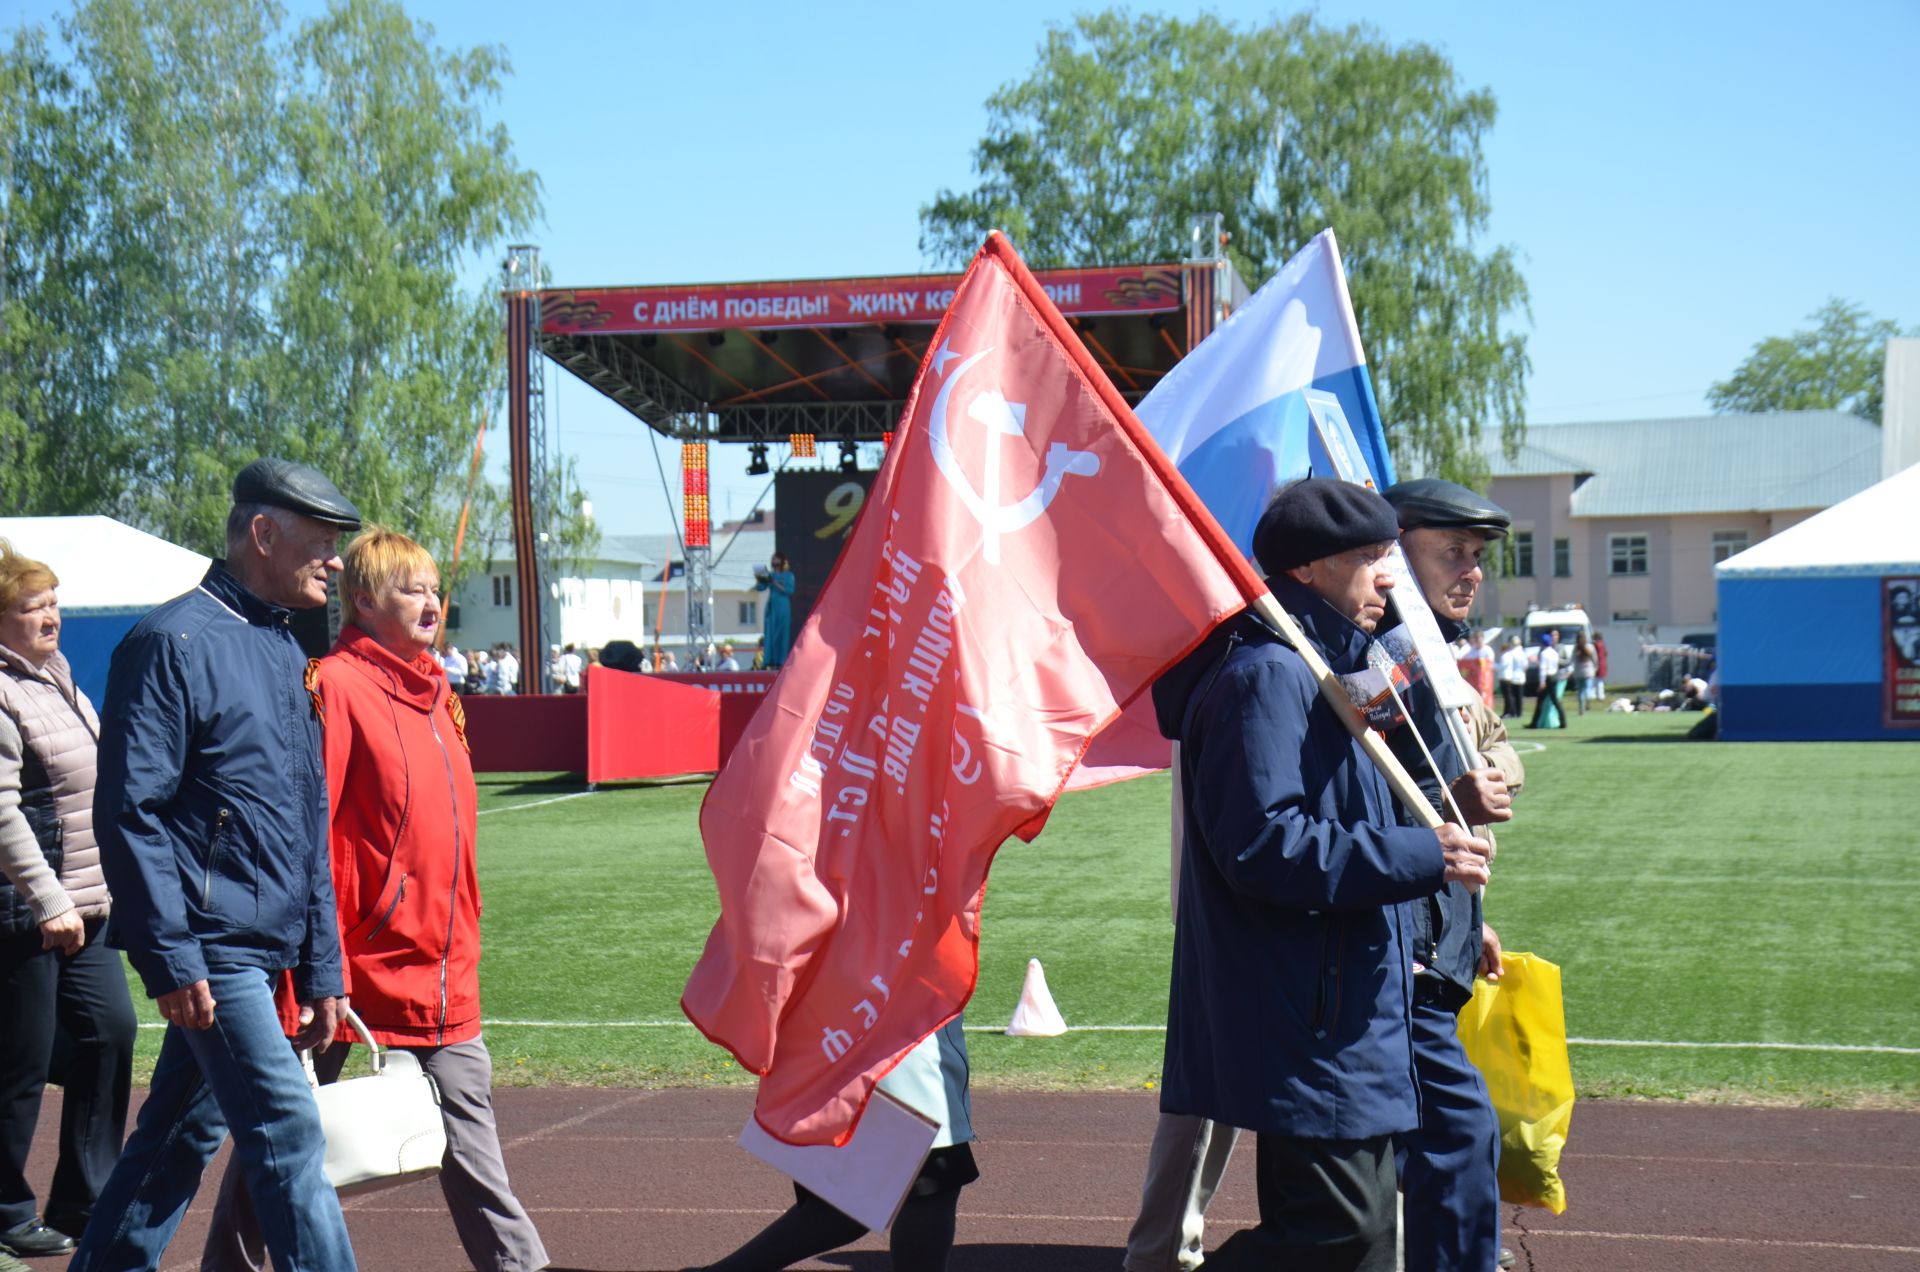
column 815, row 513
column 1900, row 616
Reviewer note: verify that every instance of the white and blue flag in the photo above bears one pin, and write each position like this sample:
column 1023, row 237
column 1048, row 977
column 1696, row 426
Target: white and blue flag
column 1246, row 409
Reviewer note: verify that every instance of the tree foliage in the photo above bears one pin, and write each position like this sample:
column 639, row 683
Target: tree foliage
column 1128, row 126
column 1839, row 364
column 224, row 238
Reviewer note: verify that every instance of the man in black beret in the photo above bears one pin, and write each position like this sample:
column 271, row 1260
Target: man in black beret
column 1448, row 1166
column 1288, row 1013
column 211, row 812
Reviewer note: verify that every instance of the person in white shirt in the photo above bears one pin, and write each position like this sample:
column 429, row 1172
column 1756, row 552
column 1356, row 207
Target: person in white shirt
column 727, row 661
column 1546, row 710
column 1512, row 667
column 571, row 667
column 455, row 664
column 506, row 671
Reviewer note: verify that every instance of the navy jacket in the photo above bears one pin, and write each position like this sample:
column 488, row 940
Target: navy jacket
column 1291, row 991
column 211, row 803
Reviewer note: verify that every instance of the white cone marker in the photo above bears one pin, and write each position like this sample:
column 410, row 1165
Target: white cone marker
column 1036, row 1016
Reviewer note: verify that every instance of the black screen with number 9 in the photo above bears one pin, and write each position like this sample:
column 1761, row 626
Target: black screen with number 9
column 814, row 514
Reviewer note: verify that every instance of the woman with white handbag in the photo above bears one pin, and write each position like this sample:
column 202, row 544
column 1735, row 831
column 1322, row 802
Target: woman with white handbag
column 401, row 824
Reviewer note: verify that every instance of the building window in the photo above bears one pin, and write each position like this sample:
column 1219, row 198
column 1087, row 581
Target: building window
column 1627, row 553
column 502, row 590
column 1728, row 542
column 1563, row 558
column 1519, row 555
column 749, row 613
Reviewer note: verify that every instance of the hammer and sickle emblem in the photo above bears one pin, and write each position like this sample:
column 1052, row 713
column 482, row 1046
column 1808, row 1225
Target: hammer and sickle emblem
column 1000, row 418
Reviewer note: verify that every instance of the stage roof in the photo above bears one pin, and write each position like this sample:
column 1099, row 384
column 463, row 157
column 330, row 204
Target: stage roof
column 837, row 357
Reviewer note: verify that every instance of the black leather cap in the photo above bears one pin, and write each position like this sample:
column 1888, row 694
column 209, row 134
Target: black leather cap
column 1319, row 517
column 1432, row 502
column 281, row 483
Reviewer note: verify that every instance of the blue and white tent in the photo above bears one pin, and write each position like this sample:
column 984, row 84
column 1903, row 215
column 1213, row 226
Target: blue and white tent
column 1802, row 651
column 110, row 574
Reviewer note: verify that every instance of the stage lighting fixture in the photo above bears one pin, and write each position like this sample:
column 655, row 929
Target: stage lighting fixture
column 886, row 440
column 757, row 461
column 801, row 444
column 693, row 487
column 849, row 457
column 716, row 338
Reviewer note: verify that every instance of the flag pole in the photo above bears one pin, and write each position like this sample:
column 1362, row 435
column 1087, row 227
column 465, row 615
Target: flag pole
column 1336, row 695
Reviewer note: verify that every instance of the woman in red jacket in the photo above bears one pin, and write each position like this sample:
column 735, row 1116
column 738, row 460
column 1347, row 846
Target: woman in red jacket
column 401, row 829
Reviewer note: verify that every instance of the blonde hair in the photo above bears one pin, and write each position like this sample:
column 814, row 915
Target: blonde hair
column 21, row 576
column 381, row 558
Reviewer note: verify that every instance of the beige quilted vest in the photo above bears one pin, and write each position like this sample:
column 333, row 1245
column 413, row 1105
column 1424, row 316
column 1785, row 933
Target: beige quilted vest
column 57, row 721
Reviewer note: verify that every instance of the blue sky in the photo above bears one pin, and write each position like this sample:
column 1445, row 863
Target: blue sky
column 1680, row 180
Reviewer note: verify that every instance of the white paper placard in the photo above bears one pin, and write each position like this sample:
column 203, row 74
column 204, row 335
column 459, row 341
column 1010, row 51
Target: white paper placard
column 868, row 1177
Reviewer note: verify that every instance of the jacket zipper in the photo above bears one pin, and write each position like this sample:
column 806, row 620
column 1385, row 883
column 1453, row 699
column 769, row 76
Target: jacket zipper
column 453, row 893
column 1318, row 1023
column 393, row 905
column 220, row 819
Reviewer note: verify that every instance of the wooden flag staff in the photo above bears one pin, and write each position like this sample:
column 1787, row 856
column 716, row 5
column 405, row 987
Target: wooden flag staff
column 1336, row 695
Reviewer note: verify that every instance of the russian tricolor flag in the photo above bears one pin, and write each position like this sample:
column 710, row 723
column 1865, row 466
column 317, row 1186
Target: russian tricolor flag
column 1233, row 415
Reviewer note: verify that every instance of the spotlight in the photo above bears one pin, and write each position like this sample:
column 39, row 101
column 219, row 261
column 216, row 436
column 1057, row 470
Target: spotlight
column 849, row 457
column 757, row 463
column 801, row 445
column 716, row 338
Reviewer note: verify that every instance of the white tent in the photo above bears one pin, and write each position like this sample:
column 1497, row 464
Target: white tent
column 1804, row 646
column 110, row 574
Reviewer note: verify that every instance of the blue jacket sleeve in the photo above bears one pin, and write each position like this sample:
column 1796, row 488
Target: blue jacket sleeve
column 144, row 741
column 319, row 973
column 1250, row 800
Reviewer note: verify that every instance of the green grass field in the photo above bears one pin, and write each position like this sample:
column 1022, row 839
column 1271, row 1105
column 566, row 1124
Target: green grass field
column 1692, row 893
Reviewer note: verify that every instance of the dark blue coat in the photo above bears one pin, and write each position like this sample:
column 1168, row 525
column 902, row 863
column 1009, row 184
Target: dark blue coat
column 1290, row 1002
column 211, row 801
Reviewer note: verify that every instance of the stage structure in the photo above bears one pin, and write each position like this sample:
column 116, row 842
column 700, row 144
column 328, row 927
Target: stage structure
column 805, row 365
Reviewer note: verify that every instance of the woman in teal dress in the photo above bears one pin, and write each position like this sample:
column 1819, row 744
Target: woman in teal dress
column 777, row 583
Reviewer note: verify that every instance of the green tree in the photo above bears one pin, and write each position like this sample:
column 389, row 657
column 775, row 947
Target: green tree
column 180, row 100
column 1839, row 364
column 49, row 325
column 1130, row 125
column 398, row 186
column 220, row 239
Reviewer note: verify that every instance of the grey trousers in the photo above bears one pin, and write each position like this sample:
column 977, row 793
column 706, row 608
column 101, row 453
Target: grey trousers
column 1184, row 1167
column 494, row 1227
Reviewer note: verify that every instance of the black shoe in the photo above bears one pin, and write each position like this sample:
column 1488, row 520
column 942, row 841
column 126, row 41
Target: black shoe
column 71, row 1222
column 34, row 1238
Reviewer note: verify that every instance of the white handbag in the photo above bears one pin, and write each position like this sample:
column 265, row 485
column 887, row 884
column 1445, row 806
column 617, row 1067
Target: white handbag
column 382, row 1130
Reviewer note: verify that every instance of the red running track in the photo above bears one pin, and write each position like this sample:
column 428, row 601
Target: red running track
column 622, row 1179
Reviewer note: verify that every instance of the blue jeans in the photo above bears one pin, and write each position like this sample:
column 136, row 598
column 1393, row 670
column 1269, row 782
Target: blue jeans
column 240, row 1074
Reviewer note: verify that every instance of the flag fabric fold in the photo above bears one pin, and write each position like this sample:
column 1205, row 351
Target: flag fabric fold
column 1026, row 563
column 1236, row 416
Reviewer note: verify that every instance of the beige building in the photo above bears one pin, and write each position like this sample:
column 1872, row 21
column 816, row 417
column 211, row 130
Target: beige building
column 1627, row 518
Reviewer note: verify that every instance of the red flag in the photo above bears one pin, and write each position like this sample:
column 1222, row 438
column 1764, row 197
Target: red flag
column 1027, row 562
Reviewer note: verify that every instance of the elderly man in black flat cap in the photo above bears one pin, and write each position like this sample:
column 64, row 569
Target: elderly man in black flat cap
column 1448, row 1166
column 1289, row 1007
column 211, row 812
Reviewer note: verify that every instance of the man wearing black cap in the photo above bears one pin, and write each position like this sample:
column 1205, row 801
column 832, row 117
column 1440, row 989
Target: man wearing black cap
column 1289, row 1007
column 211, row 811
column 1448, row 1167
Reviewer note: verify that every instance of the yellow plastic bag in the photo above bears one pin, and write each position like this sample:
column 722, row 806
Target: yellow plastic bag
column 1515, row 1032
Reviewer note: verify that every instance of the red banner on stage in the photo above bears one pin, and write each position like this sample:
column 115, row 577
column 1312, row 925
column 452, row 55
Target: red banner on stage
column 838, row 302
column 1027, row 562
